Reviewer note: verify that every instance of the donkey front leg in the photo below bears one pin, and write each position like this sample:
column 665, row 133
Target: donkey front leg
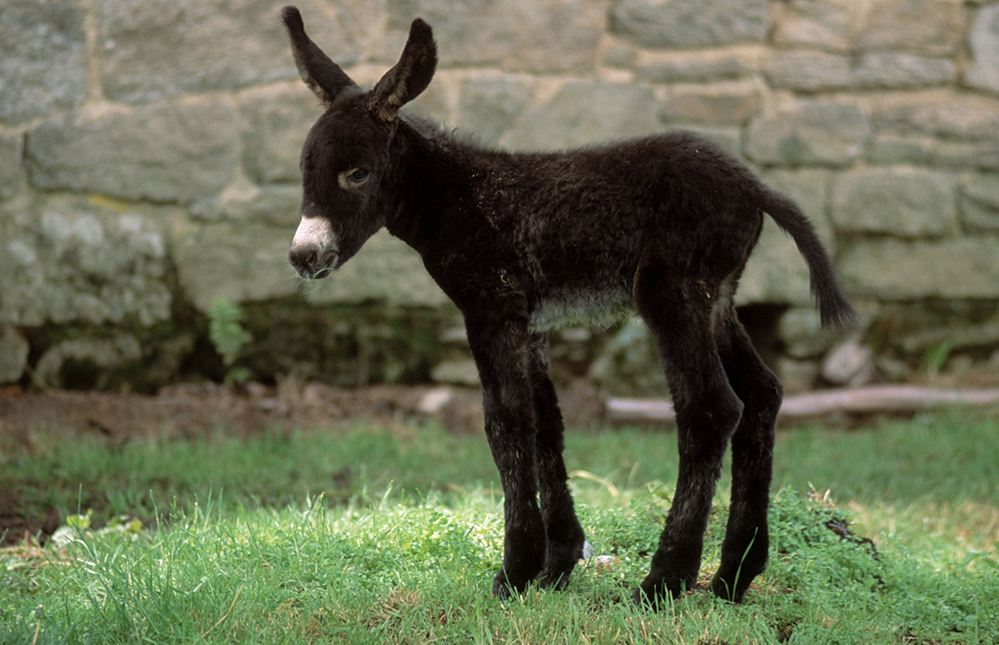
column 502, row 357
column 563, row 532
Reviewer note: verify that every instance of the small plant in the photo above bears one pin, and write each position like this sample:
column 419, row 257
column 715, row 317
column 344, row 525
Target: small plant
column 225, row 330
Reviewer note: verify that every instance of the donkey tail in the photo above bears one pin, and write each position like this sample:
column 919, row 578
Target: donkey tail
column 834, row 309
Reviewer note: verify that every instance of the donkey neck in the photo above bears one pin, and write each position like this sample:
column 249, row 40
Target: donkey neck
column 435, row 180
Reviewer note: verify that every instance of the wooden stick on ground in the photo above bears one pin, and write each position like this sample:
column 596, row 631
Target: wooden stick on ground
column 865, row 400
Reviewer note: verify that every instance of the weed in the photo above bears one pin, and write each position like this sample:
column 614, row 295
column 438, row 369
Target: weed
column 226, row 331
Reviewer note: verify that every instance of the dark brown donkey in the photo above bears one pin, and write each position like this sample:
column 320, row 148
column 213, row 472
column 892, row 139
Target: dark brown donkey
column 523, row 243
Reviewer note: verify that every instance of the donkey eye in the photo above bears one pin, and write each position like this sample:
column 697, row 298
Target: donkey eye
column 353, row 178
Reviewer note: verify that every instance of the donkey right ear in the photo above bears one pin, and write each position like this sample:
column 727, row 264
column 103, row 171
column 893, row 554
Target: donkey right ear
column 323, row 76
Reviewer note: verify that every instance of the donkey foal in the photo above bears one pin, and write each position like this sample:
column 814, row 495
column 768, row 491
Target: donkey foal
column 523, row 243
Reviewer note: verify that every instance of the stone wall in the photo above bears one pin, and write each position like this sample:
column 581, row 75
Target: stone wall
column 149, row 158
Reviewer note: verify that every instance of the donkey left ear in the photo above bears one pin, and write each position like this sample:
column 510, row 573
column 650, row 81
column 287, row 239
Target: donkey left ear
column 409, row 76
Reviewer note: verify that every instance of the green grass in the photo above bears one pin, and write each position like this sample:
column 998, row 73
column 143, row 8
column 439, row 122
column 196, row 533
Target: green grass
column 271, row 540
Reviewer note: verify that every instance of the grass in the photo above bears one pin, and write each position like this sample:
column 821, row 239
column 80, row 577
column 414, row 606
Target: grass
column 393, row 535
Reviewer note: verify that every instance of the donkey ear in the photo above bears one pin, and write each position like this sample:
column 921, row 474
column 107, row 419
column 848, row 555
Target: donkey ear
column 410, row 76
column 323, row 76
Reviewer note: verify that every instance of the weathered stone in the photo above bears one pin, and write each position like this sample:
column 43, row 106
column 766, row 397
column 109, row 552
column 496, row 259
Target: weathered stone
column 43, row 65
column 585, row 112
column 237, row 261
column 822, row 24
column 98, row 354
column 933, row 27
column 10, row 166
column 152, row 50
column 895, row 270
column 620, row 57
column 456, row 371
column 813, row 71
column 489, row 104
column 717, row 103
column 984, row 41
column 903, row 202
column 797, row 376
column 776, row 273
column 384, row 270
column 176, row 152
column 980, row 204
column 690, row 23
column 890, row 149
column 808, row 71
column 810, row 133
column 13, row 354
column 952, row 117
column 523, row 35
column 274, row 127
column 629, row 363
column 699, row 67
column 71, row 260
column 277, row 205
column 801, row 331
column 850, row 364
column 964, row 154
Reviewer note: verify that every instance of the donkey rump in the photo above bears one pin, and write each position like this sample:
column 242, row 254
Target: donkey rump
column 522, row 243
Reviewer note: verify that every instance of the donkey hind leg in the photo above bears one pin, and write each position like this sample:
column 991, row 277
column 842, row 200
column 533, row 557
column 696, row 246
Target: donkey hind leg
column 744, row 550
column 563, row 533
column 707, row 412
column 502, row 359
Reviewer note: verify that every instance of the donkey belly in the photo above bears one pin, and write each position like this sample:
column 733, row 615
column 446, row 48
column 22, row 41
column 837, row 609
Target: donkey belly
column 599, row 308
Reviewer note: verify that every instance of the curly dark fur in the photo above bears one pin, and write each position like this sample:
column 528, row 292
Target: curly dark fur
column 522, row 243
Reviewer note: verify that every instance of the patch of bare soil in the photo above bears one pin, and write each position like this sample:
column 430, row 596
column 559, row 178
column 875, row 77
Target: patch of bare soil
column 194, row 410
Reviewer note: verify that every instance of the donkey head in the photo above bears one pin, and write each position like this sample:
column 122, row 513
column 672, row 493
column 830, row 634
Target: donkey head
column 347, row 161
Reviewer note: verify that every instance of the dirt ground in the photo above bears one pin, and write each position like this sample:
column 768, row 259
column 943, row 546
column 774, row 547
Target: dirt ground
column 196, row 409
column 192, row 410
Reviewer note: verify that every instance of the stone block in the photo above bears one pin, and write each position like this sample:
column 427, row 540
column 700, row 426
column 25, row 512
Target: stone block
column 903, row 202
column 690, row 23
column 237, row 261
column 490, row 104
column 933, row 27
column 13, row 354
column 814, row 71
column 71, row 260
column 897, row 270
column 892, row 149
column 175, row 152
column 961, row 116
column 10, row 165
column 809, row 134
column 732, row 103
column 277, row 205
column 984, row 42
column 43, row 59
column 517, row 35
column 154, row 50
column 274, row 127
column 983, row 155
column 585, row 112
column 980, row 204
column 776, row 273
column 802, row 334
column 695, row 67
column 823, row 24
